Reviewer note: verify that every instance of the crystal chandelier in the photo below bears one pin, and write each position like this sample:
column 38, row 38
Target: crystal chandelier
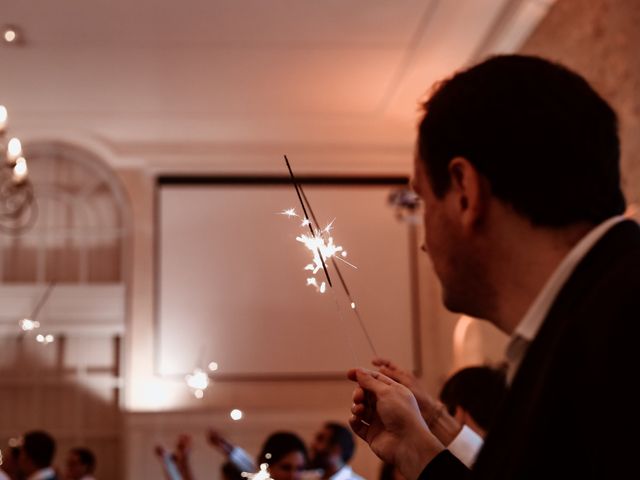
column 17, row 204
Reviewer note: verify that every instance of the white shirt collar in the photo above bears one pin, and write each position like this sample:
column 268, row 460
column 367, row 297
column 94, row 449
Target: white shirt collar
column 530, row 324
column 43, row 474
column 345, row 473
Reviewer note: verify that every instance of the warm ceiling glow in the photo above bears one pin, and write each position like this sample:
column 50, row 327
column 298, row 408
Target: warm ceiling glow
column 236, row 414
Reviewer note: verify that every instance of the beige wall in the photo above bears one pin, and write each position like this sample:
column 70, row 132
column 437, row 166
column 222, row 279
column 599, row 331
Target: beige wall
column 600, row 39
column 300, row 406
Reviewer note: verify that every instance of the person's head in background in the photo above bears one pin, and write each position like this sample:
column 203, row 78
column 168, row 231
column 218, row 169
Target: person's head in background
column 286, row 455
column 81, row 463
column 9, row 457
column 332, row 448
column 36, row 453
column 473, row 396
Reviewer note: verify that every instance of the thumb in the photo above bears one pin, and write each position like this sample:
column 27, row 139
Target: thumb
column 372, row 381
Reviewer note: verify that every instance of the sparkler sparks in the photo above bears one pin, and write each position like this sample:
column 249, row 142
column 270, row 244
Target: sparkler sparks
column 263, row 474
column 323, row 249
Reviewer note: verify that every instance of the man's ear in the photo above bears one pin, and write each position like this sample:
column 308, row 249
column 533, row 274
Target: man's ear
column 470, row 191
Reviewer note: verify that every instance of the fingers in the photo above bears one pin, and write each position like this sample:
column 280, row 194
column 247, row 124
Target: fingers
column 381, row 362
column 359, row 410
column 391, row 373
column 358, row 395
column 359, row 427
column 370, row 380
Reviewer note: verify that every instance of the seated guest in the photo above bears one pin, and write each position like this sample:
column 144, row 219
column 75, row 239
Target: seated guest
column 283, row 452
column 286, row 455
column 331, row 451
column 473, row 395
column 81, row 464
column 36, row 456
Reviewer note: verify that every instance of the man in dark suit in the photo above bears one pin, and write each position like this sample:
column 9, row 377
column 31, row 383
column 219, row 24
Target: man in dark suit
column 517, row 164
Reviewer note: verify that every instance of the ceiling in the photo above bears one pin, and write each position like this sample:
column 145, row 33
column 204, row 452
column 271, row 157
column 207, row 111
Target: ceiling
column 203, row 84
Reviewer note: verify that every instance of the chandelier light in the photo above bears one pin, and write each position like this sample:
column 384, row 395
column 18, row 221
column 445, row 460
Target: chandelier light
column 17, row 203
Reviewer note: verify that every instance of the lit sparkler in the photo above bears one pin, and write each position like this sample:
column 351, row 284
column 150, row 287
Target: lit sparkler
column 323, row 250
column 263, row 474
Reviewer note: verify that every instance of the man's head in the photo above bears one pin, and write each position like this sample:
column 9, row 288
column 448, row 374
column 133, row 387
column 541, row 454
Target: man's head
column 37, row 451
column 513, row 136
column 473, row 395
column 80, row 462
column 332, row 447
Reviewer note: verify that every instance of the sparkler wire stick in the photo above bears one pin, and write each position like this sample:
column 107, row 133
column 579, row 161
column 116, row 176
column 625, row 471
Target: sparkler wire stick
column 354, row 306
column 304, row 210
column 304, row 200
column 42, row 300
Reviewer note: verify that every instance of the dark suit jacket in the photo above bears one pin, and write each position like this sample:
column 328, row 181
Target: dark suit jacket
column 573, row 407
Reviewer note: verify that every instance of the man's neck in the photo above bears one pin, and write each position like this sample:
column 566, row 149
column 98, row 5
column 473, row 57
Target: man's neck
column 522, row 265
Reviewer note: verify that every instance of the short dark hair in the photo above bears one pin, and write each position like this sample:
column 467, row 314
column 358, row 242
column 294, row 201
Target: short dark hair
column 87, row 458
column 478, row 390
column 544, row 139
column 341, row 436
column 39, row 447
column 280, row 444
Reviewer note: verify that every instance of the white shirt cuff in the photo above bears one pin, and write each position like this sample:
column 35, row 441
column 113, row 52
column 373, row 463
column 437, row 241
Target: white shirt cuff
column 466, row 445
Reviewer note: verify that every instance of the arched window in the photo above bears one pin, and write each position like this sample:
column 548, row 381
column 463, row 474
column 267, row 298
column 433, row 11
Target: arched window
column 75, row 250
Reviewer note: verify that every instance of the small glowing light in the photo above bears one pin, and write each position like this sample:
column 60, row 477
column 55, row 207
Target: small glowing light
column 198, row 380
column 14, row 149
column 323, row 287
column 213, row 366
column 344, row 254
column 289, row 212
column 305, row 222
column 45, row 339
column 267, row 456
column 198, row 394
column 10, row 35
column 20, row 169
column 3, row 117
column 236, row 414
column 353, row 305
column 28, row 325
